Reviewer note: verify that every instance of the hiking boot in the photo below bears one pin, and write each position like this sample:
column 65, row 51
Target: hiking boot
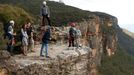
column 48, row 57
column 42, row 55
column 24, row 54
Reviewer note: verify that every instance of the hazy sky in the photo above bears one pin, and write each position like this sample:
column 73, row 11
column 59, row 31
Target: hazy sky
column 122, row 9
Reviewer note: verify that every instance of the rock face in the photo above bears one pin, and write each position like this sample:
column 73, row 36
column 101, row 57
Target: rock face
column 99, row 37
column 67, row 63
column 4, row 54
column 100, row 33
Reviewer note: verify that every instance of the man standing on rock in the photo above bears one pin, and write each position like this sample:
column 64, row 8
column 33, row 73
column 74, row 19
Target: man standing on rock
column 45, row 41
column 45, row 12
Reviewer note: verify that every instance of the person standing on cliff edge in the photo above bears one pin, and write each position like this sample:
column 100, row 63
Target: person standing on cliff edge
column 72, row 34
column 45, row 42
column 45, row 12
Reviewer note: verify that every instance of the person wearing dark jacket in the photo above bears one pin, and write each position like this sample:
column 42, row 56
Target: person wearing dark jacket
column 45, row 12
column 72, row 34
column 45, row 41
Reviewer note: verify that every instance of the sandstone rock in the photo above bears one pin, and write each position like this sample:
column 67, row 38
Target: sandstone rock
column 98, row 36
column 4, row 54
column 67, row 54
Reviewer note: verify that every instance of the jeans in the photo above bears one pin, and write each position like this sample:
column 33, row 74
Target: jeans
column 42, row 52
column 9, row 44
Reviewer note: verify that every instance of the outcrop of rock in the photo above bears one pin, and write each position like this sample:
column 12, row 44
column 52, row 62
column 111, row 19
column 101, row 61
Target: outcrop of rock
column 99, row 34
column 67, row 62
column 98, row 38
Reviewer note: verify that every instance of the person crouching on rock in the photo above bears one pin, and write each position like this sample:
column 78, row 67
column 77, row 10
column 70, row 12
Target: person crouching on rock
column 24, row 39
column 45, row 41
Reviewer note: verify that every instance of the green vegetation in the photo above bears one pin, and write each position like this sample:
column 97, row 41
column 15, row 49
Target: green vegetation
column 119, row 64
column 61, row 14
column 126, row 41
column 2, row 42
column 8, row 12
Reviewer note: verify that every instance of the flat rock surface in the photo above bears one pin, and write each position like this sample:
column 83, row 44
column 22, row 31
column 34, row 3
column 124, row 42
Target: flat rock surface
column 55, row 51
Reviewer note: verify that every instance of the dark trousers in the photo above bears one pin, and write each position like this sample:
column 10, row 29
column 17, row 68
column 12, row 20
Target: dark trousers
column 9, row 44
column 48, row 20
column 10, row 48
column 71, row 42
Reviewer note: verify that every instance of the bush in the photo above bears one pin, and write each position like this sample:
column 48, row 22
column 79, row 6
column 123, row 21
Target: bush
column 8, row 12
column 19, row 15
column 61, row 14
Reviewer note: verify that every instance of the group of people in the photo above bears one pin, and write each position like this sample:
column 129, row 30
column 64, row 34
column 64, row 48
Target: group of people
column 26, row 37
column 27, row 41
column 74, row 35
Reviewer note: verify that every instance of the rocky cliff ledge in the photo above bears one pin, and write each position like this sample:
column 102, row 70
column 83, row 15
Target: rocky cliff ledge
column 99, row 37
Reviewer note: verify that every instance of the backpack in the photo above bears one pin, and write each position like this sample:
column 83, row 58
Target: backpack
column 6, row 30
column 72, row 32
column 78, row 33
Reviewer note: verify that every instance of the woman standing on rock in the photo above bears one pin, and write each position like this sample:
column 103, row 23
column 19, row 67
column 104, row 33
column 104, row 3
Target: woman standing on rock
column 24, row 39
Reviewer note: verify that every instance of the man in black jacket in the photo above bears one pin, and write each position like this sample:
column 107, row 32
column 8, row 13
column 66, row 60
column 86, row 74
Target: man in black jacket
column 45, row 41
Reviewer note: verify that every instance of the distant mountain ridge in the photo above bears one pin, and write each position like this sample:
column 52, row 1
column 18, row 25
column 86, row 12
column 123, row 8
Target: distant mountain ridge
column 126, row 40
column 128, row 32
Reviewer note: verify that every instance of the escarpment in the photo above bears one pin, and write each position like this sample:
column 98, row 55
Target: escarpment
column 98, row 37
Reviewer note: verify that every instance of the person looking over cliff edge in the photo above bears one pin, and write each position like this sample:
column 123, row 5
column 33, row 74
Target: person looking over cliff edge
column 45, row 12
column 72, row 34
